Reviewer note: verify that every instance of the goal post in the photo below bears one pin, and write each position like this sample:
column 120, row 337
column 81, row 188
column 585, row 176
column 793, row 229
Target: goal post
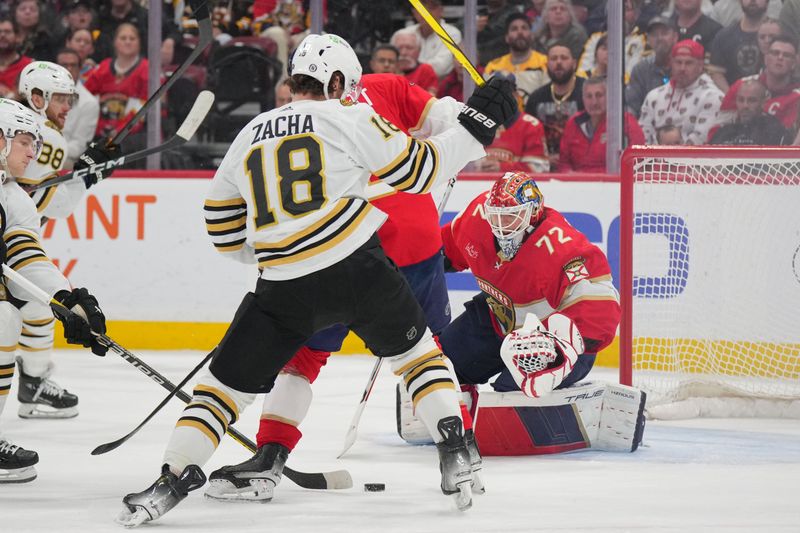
column 710, row 278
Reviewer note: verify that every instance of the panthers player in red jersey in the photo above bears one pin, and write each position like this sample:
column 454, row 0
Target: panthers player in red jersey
column 526, row 259
column 411, row 238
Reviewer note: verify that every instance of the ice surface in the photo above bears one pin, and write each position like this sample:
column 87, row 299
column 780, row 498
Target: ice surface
column 691, row 476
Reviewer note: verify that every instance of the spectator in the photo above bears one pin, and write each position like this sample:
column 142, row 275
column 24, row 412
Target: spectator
column 34, row 37
column 115, row 12
column 81, row 122
column 526, row 64
column 653, row 70
column 635, row 45
column 599, row 62
column 81, row 41
column 726, row 12
column 286, row 25
column 767, row 31
column 560, row 26
column 432, row 50
column 534, row 14
column 520, row 147
column 734, row 53
column 752, row 125
column 408, row 44
column 282, row 94
column 452, row 85
column 384, row 59
column 690, row 100
column 492, row 30
column 583, row 145
column 693, row 24
column 11, row 61
column 77, row 15
column 120, row 83
column 782, row 95
column 669, row 135
column 555, row 102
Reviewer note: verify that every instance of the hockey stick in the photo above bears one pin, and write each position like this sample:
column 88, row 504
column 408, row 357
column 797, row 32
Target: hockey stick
column 448, row 42
column 196, row 115
column 338, row 479
column 107, row 447
column 204, row 38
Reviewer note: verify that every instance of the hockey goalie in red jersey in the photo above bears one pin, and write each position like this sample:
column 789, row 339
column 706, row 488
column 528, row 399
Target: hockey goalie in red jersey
column 547, row 303
column 526, row 258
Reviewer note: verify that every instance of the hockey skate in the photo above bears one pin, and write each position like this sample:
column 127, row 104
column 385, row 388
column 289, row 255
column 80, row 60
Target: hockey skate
column 251, row 481
column 16, row 464
column 167, row 491
column 475, row 461
column 454, row 462
column 40, row 397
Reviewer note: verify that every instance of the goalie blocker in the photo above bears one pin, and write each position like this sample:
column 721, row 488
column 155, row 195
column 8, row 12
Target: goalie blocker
column 597, row 416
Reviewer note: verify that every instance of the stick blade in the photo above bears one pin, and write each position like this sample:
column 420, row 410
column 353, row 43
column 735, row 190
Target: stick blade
column 108, row 446
column 196, row 115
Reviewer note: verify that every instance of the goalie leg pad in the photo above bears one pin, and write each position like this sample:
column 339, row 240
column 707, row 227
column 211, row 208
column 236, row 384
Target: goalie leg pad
column 622, row 420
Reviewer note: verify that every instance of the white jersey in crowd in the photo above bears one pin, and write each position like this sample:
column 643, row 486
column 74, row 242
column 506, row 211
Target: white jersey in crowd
column 19, row 226
column 290, row 192
column 59, row 201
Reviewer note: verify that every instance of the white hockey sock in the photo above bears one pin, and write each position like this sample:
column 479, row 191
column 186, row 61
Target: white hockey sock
column 204, row 422
column 289, row 399
column 429, row 382
column 36, row 339
column 10, row 326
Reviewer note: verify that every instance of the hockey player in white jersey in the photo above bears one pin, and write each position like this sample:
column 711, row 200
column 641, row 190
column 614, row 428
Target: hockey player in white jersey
column 290, row 196
column 49, row 91
column 20, row 249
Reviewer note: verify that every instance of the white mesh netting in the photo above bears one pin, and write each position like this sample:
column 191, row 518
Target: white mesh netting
column 716, row 286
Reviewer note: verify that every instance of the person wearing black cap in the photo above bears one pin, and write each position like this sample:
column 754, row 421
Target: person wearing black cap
column 652, row 71
column 78, row 15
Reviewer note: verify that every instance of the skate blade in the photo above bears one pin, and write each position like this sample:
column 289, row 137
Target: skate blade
column 18, row 475
column 477, row 483
column 37, row 410
column 463, row 498
column 259, row 491
column 132, row 518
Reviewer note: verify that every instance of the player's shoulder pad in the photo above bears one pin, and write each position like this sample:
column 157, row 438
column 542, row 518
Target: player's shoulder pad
column 530, row 118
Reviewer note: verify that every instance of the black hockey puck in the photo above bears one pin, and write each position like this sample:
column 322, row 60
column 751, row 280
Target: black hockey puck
column 374, row 487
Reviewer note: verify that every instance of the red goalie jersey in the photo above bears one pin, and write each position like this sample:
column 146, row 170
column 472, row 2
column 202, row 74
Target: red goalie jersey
column 411, row 234
column 556, row 269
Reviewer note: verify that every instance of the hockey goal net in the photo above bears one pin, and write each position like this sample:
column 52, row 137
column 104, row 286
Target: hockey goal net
column 710, row 280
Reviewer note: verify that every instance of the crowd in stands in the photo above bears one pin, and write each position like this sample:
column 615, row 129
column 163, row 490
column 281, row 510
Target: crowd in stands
column 696, row 71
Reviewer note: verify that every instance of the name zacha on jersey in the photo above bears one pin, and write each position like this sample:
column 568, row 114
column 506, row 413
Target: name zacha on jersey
column 282, row 126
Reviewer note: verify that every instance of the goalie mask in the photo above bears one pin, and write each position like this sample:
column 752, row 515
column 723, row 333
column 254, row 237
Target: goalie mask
column 16, row 119
column 49, row 79
column 514, row 205
column 320, row 56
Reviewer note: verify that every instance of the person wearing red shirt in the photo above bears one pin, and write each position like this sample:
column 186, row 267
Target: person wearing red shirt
column 11, row 62
column 583, row 145
column 120, row 82
column 783, row 93
column 422, row 74
column 519, row 148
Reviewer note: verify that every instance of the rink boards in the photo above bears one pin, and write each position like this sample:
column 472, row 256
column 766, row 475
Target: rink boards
column 139, row 242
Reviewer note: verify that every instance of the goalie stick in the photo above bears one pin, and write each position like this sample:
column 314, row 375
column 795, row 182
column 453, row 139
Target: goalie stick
column 204, row 38
column 337, row 479
column 196, row 115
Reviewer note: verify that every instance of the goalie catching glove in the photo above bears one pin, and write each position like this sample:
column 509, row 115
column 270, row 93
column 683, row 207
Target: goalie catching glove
column 86, row 318
column 96, row 153
column 540, row 357
column 489, row 106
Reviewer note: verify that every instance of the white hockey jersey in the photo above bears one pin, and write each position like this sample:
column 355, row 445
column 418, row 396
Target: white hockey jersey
column 19, row 226
column 59, row 201
column 290, row 192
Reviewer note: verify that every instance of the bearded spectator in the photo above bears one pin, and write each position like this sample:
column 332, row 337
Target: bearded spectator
column 408, row 45
column 734, row 52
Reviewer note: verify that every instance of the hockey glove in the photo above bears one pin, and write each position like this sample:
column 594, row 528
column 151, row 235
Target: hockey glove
column 489, row 107
column 86, row 318
column 96, row 154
